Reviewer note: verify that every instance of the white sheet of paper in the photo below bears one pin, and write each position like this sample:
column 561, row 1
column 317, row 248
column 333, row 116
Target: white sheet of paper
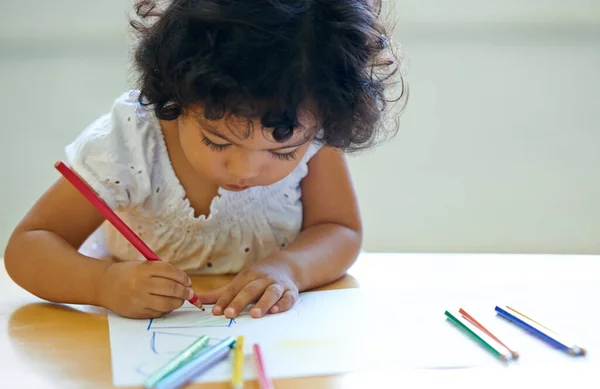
column 348, row 330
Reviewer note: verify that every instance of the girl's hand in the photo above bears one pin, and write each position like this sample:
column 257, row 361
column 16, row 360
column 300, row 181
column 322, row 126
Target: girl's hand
column 143, row 289
column 270, row 282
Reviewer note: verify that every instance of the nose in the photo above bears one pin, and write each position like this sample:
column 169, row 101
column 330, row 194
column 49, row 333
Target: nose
column 244, row 165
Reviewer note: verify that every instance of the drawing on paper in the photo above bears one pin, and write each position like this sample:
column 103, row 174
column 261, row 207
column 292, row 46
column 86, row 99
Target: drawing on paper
column 173, row 332
column 170, row 333
column 188, row 318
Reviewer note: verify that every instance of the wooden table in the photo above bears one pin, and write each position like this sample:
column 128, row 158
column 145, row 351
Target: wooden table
column 45, row 345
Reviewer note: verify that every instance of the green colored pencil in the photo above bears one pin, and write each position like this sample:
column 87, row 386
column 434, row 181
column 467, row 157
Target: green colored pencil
column 479, row 336
column 179, row 360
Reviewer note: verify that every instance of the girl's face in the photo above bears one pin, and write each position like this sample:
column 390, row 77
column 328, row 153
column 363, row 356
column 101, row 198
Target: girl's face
column 218, row 151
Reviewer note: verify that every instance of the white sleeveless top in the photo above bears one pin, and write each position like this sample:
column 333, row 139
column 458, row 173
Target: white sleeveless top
column 123, row 157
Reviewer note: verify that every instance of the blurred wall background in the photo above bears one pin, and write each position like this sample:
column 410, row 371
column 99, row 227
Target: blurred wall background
column 497, row 150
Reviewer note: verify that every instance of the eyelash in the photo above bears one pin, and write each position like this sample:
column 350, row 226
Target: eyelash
column 282, row 157
column 286, row 156
column 213, row 146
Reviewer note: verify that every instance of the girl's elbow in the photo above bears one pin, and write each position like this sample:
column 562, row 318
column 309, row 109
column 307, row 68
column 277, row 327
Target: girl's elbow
column 357, row 232
column 354, row 237
column 13, row 254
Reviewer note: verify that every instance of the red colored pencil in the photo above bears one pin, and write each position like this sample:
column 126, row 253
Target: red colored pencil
column 263, row 380
column 112, row 217
column 470, row 318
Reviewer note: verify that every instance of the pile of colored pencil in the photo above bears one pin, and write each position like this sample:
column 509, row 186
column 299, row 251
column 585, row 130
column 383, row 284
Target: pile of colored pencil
column 198, row 357
column 494, row 345
column 482, row 335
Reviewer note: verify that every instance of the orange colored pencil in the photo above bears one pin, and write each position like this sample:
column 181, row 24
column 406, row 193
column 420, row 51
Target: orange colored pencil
column 470, row 318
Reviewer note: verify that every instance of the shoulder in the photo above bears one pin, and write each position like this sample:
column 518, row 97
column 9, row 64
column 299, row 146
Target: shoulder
column 314, row 147
column 115, row 152
column 124, row 128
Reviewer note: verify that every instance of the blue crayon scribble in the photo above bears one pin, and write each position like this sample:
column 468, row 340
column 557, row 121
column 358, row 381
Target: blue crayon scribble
column 153, row 343
column 175, row 334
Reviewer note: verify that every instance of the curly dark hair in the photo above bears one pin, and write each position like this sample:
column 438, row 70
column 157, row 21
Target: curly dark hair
column 268, row 58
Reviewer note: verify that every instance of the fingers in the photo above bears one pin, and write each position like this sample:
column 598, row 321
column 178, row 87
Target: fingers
column 230, row 291
column 286, row 302
column 144, row 313
column 150, row 313
column 163, row 304
column 236, row 301
column 168, row 288
column 272, row 294
column 168, row 271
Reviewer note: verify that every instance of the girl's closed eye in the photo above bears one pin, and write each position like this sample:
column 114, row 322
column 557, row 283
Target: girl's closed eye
column 290, row 155
column 214, row 146
column 284, row 156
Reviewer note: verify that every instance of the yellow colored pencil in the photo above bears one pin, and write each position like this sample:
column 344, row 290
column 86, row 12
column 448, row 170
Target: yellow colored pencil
column 237, row 380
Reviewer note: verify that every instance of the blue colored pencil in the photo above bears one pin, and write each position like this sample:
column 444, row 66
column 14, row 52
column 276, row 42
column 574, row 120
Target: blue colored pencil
column 197, row 365
column 538, row 330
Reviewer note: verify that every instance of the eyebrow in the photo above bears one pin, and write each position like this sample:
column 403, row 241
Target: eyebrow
column 297, row 144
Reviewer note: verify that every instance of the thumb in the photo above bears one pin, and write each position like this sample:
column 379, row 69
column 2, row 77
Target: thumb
column 211, row 296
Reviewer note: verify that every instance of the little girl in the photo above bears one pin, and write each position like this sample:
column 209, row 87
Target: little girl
column 228, row 158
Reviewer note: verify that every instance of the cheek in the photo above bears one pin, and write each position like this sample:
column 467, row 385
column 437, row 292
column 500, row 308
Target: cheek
column 207, row 163
column 202, row 159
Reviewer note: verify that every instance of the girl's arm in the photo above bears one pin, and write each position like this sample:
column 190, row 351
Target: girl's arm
column 331, row 236
column 42, row 257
